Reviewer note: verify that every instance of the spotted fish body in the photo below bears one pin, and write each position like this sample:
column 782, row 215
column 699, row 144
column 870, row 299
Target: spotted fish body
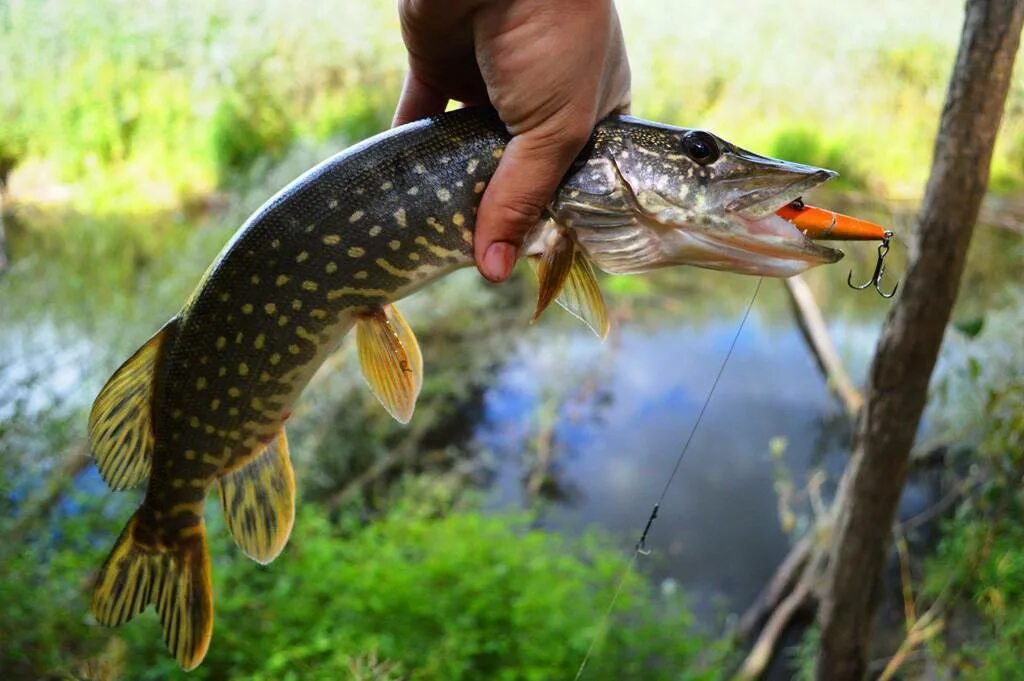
column 205, row 400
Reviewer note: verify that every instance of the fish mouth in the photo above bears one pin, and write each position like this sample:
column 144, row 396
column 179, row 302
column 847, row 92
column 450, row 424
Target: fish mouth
column 762, row 242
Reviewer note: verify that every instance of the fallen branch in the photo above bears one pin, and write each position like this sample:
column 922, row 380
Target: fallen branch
column 781, row 584
column 815, row 332
column 761, row 654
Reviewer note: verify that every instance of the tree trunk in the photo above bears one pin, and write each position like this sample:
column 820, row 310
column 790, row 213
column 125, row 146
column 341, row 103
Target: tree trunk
column 912, row 333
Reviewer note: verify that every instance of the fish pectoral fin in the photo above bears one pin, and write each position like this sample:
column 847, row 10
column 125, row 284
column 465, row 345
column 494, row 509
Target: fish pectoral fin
column 120, row 423
column 258, row 500
column 391, row 360
column 177, row 580
column 552, row 268
column 581, row 295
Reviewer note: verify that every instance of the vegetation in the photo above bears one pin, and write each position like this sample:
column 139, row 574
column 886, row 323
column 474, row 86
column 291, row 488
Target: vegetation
column 159, row 104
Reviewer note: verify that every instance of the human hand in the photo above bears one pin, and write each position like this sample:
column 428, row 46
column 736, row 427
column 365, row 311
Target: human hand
column 550, row 69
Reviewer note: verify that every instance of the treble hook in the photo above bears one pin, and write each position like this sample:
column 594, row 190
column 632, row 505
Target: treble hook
column 876, row 278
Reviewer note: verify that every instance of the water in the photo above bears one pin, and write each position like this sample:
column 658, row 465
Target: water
column 81, row 294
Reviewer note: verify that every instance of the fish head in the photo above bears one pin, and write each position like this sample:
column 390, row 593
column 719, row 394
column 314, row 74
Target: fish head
column 645, row 195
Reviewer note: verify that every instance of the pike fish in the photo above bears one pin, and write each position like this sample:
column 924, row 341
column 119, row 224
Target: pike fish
column 203, row 402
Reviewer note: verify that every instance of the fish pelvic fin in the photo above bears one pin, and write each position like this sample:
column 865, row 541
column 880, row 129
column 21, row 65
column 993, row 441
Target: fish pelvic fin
column 258, row 499
column 120, row 423
column 391, row 360
column 552, row 268
column 566, row 276
column 139, row 571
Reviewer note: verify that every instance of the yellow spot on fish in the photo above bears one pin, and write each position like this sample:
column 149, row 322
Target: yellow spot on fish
column 209, row 429
column 270, row 308
column 210, row 459
column 317, row 313
column 225, row 297
column 498, row 153
column 458, row 219
column 438, row 227
column 296, row 304
column 386, row 185
column 311, row 285
column 391, row 269
column 243, row 369
column 301, row 257
column 478, row 188
column 413, row 191
column 260, row 340
column 301, row 332
column 400, row 217
column 332, row 204
column 282, row 320
column 356, row 216
column 356, row 252
column 293, row 349
column 190, row 454
column 275, row 358
column 394, row 244
column 214, row 404
column 178, row 483
column 233, row 411
column 422, row 240
column 193, row 421
column 361, row 274
column 264, row 377
column 201, row 383
column 254, row 279
column 247, row 308
column 467, row 236
column 256, row 403
column 414, row 257
column 443, row 195
column 222, row 372
column 471, row 165
column 276, row 243
column 332, row 239
column 282, row 279
column 331, row 267
column 176, row 414
column 419, row 169
column 238, row 338
column 375, row 230
column 235, row 435
column 234, row 392
column 348, row 291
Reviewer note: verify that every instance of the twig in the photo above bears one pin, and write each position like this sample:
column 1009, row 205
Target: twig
column 786, row 575
column 761, row 654
column 815, row 332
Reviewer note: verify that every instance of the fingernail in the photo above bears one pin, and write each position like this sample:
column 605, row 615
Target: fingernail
column 499, row 258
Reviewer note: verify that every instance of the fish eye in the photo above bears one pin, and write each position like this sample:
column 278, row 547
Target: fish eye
column 701, row 147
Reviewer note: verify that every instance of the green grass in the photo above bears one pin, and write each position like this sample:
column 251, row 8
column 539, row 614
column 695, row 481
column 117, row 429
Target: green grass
column 139, row 105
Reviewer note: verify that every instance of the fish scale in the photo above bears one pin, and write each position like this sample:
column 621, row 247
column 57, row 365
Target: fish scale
column 205, row 400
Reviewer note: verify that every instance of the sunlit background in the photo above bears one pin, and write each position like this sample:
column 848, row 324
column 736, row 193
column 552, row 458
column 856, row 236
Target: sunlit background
column 484, row 539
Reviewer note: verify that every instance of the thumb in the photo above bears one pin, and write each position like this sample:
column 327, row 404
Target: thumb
column 522, row 186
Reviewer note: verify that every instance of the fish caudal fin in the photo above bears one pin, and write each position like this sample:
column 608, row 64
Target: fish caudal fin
column 391, row 360
column 176, row 579
column 120, row 423
column 566, row 276
column 259, row 501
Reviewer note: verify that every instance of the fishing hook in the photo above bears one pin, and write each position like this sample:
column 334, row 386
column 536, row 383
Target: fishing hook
column 876, row 278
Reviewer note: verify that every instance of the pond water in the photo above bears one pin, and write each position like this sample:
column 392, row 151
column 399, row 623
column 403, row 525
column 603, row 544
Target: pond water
column 612, row 418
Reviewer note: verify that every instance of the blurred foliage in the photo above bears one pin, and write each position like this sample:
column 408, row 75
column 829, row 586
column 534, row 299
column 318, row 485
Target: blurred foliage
column 437, row 594
column 158, row 102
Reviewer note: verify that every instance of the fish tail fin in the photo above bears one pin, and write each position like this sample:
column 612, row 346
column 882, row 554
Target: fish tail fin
column 140, row 571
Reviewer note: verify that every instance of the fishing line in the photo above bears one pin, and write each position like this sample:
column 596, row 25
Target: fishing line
column 641, row 546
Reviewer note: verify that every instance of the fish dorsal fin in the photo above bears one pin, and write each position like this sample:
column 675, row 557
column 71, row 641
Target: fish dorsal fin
column 552, row 267
column 581, row 295
column 259, row 501
column 120, row 423
column 391, row 360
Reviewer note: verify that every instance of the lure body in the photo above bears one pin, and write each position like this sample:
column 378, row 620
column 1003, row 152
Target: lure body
column 205, row 400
